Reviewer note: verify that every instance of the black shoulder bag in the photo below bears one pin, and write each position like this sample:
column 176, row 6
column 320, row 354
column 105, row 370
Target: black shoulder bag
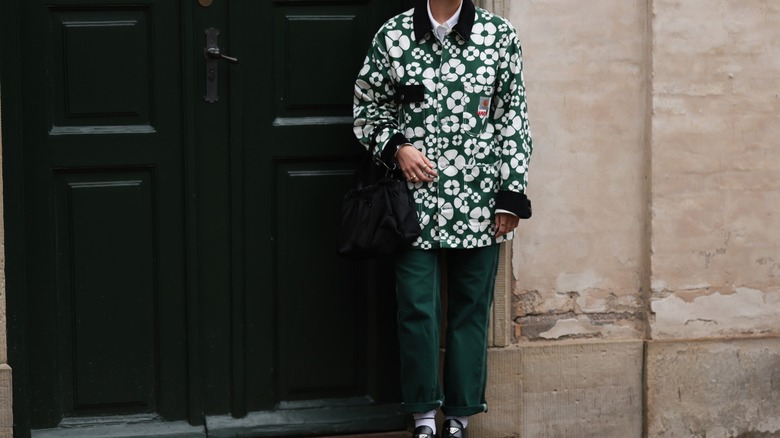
column 378, row 216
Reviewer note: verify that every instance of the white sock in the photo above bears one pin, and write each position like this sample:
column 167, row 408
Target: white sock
column 425, row 419
column 463, row 420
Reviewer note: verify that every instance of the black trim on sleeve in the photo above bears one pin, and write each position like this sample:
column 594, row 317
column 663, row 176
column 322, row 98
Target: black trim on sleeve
column 515, row 202
column 391, row 147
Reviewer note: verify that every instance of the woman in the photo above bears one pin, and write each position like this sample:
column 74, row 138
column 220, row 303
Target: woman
column 442, row 93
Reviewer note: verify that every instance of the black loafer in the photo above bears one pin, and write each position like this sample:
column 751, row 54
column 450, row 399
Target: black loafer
column 453, row 429
column 423, row 432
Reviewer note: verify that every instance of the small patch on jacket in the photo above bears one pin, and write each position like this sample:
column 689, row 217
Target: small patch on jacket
column 484, row 105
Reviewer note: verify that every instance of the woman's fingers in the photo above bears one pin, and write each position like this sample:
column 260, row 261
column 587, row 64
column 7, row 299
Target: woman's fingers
column 415, row 166
column 424, row 172
column 416, row 174
column 505, row 223
column 428, row 167
column 500, row 225
column 406, row 157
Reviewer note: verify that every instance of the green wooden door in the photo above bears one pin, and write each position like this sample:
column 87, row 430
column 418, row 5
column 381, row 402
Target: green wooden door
column 171, row 262
column 332, row 340
column 96, row 292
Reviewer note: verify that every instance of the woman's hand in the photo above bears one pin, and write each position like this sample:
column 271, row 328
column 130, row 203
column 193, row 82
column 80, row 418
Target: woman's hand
column 505, row 223
column 414, row 165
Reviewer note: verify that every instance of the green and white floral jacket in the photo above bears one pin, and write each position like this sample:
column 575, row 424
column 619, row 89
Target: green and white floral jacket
column 462, row 103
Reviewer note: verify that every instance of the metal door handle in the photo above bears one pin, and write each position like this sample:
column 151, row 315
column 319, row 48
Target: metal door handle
column 212, row 53
column 216, row 53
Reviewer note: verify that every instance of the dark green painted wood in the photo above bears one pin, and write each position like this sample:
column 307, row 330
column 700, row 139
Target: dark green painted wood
column 321, row 343
column 330, row 56
column 13, row 195
column 182, row 262
column 104, row 322
column 190, row 61
column 314, row 326
column 106, row 68
column 214, row 200
column 107, row 295
column 238, row 28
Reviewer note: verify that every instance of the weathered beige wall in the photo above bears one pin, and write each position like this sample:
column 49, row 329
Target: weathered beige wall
column 656, row 181
column 716, row 168
column 579, row 260
column 713, row 388
column 3, row 345
column 496, row 6
column 6, row 417
column 703, row 134
column 563, row 389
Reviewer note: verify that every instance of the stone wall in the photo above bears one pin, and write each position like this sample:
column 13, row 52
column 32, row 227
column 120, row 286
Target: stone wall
column 646, row 289
column 6, row 417
column 715, row 388
column 716, row 168
column 657, row 198
column 715, row 195
column 579, row 261
column 497, row 6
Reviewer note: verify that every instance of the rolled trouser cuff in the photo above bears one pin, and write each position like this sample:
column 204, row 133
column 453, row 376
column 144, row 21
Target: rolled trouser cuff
column 464, row 411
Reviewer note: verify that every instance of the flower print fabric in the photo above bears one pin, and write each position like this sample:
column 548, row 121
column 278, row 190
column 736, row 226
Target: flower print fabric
column 460, row 102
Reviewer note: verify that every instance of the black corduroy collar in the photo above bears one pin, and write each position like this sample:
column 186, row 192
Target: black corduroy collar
column 422, row 22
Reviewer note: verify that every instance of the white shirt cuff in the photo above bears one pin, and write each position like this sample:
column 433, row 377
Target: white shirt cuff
column 499, row 210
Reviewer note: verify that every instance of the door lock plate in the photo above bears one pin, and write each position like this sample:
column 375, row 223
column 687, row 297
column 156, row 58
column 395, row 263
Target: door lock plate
column 212, row 53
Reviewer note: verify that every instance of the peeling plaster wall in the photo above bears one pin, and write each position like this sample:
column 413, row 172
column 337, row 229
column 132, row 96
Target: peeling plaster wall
column 680, row 120
column 579, row 261
column 716, row 168
column 3, row 341
column 6, row 417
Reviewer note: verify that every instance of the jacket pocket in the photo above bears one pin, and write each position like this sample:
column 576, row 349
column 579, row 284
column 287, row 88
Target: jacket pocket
column 479, row 185
column 478, row 109
column 481, row 150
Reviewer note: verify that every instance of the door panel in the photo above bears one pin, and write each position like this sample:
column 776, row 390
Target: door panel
column 103, row 60
column 314, row 75
column 322, row 341
column 107, row 295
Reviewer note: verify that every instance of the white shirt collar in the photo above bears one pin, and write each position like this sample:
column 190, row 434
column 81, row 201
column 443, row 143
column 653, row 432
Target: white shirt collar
column 441, row 30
